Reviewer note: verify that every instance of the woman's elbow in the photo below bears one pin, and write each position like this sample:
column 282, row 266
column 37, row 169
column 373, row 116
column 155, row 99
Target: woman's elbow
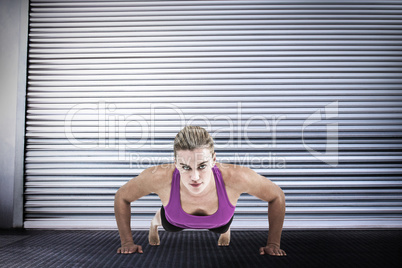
column 119, row 196
column 280, row 196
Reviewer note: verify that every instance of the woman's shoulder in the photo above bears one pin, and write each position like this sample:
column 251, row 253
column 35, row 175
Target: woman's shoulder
column 160, row 171
column 232, row 170
column 159, row 176
column 234, row 176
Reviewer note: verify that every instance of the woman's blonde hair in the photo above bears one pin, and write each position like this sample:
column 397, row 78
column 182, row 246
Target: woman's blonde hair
column 193, row 137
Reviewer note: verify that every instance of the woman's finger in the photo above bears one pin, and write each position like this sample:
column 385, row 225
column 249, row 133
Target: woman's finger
column 278, row 252
column 272, row 251
column 139, row 249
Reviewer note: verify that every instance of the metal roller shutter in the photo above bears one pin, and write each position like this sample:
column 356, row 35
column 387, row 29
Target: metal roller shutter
column 307, row 93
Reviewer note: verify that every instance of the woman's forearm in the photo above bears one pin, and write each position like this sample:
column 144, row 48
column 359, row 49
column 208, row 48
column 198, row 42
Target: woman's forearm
column 122, row 211
column 276, row 216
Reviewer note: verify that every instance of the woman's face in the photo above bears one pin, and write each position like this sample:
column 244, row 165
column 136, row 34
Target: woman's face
column 195, row 169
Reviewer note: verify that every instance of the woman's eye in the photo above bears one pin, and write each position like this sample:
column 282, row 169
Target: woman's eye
column 186, row 167
column 202, row 166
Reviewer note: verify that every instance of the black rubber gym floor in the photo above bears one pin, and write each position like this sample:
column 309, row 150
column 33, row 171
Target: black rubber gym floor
column 333, row 248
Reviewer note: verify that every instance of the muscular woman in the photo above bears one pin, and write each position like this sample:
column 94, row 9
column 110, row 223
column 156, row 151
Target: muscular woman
column 198, row 193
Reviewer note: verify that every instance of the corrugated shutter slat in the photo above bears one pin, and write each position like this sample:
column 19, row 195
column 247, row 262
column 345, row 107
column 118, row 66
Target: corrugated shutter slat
column 309, row 94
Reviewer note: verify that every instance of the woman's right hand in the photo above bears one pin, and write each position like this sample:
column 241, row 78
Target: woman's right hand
column 129, row 248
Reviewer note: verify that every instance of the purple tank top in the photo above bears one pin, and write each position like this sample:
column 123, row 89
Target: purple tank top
column 177, row 216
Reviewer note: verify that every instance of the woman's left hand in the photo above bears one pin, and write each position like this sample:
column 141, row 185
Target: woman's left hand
column 273, row 250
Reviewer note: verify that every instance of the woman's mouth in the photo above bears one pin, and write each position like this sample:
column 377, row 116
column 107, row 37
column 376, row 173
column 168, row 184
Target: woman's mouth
column 196, row 184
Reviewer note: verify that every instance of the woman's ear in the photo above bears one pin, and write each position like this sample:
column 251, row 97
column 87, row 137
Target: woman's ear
column 213, row 159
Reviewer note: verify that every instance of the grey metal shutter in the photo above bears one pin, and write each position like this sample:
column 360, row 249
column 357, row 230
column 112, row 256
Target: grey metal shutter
column 307, row 93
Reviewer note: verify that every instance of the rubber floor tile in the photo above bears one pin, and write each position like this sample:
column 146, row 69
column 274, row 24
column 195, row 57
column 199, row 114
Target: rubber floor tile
column 198, row 249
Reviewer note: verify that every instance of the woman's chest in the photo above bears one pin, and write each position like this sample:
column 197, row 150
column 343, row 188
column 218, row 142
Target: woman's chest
column 207, row 205
column 202, row 206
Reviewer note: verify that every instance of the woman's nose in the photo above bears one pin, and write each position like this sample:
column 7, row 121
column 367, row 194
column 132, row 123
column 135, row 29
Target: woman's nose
column 195, row 175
